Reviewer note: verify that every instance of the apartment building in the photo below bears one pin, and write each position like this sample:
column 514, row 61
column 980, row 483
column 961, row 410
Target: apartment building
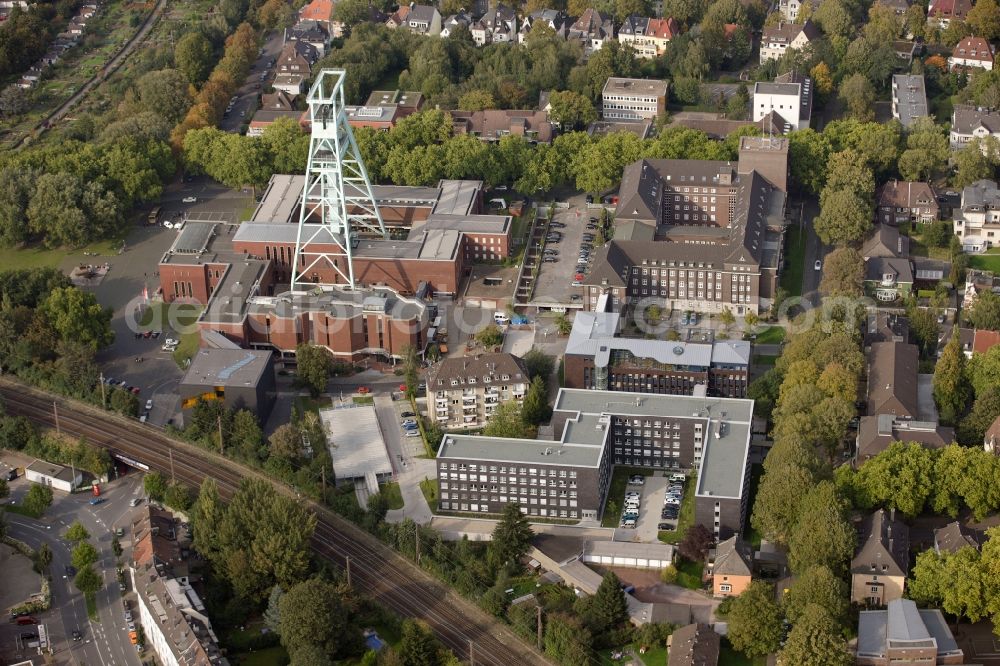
column 648, row 36
column 977, row 224
column 718, row 233
column 777, row 39
column 464, row 392
column 596, row 358
column 633, row 99
column 569, row 476
column 909, row 98
column 788, row 100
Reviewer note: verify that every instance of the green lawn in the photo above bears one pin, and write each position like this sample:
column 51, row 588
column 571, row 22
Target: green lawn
column 654, row 657
column 771, row 336
column 689, row 574
column 985, row 262
column 363, row 400
column 730, row 657
column 429, row 488
column 616, row 494
column 686, row 516
column 393, row 496
column 188, row 347
column 272, row 656
column 764, row 359
column 92, row 607
column 795, row 252
column 304, row 403
column 40, row 257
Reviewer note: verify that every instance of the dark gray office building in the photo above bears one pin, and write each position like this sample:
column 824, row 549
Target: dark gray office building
column 241, row 378
column 569, row 476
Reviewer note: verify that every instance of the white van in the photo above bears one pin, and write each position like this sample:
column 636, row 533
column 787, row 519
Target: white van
column 501, row 318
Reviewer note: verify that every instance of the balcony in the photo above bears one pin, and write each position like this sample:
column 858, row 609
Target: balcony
column 469, row 398
column 442, row 418
column 469, row 408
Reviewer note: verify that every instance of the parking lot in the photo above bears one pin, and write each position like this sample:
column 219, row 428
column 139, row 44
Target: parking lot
column 651, row 505
column 555, row 279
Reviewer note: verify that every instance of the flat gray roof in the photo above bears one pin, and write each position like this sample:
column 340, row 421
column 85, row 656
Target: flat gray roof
column 724, row 453
column 457, row 197
column 53, row 470
column 770, row 88
column 355, row 441
column 240, row 282
column 909, row 98
column 227, row 367
column 620, row 86
column 193, row 238
column 281, row 199
column 485, row 224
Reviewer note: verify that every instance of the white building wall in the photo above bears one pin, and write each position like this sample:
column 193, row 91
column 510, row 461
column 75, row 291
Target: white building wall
column 786, row 106
column 155, row 639
column 45, row 480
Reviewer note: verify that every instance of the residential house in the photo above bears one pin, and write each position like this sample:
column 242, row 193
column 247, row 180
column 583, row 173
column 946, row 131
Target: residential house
column 877, row 432
column 888, row 278
column 788, row 98
column 732, row 567
column 886, row 241
column 294, row 67
column 983, row 340
column 892, row 380
column 498, row 25
column 879, row 568
column 648, row 36
column 273, row 106
column 314, row 33
column 494, row 124
column 633, row 99
column 592, row 29
column 556, row 19
column 970, row 122
column 693, row 645
column 953, row 537
column 451, row 23
column 991, row 441
column 974, row 52
column 901, row 202
column 790, row 8
column 977, row 224
column 464, row 392
column 882, row 326
column 777, row 39
column 421, row 19
column 941, row 12
column 321, row 11
column 905, row 51
column 909, row 98
column 903, row 634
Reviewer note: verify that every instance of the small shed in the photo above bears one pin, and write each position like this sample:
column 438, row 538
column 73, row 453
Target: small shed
column 54, row 476
column 628, row 554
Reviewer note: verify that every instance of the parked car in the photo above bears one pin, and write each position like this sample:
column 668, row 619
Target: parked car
column 664, row 526
column 96, row 501
column 637, row 480
column 77, row 635
column 149, row 404
column 407, row 414
column 818, row 265
column 136, row 501
column 413, row 433
column 590, row 198
column 190, row 200
column 550, row 260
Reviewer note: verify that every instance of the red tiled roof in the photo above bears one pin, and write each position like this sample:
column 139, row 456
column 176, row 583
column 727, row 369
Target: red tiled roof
column 663, row 28
column 973, row 48
column 983, row 340
column 317, row 10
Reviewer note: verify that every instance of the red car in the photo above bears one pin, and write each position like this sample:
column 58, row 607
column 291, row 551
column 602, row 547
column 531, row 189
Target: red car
column 135, row 390
column 364, row 390
column 402, row 388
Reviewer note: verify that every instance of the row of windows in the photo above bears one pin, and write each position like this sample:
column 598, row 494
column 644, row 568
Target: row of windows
column 503, row 498
column 484, row 508
column 513, row 480
column 562, row 473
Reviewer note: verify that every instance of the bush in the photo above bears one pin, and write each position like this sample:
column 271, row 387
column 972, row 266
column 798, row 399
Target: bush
column 669, row 575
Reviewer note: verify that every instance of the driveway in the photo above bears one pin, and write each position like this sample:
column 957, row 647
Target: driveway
column 814, row 250
column 649, row 511
column 554, row 286
column 408, row 469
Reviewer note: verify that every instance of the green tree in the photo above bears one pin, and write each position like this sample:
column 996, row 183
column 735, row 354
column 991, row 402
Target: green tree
column 477, row 100
column 696, row 543
column 511, row 537
column 193, row 56
column 535, row 408
column 563, row 324
column 313, row 365
column 808, row 152
column 37, row 499
column 567, row 641
column 124, row 402
column 925, row 329
column 44, row 555
column 822, row 535
column 844, row 218
column 246, row 437
column 815, row 640
column 165, row 91
column 985, row 311
column 951, row 390
column 538, row 363
column 927, row 150
column 76, row 315
column 417, row 645
column 985, row 410
column 207, row 519
column 489, row 336
column 857, row 93
column 817, row 585
column 972, row 164
column 77, row 532
column 571, row 110
column 88, row 581
column 177, row 497
column 83, row 555
column 843, row 273
column 776, row 509
column 901, row 477
column 755, row 621
column 833, row 19
column 506, row 421
column 314, row 612
column 411, row 366
column 155, row 486
column 984, row 20
column 609, row 607
column 272, row 615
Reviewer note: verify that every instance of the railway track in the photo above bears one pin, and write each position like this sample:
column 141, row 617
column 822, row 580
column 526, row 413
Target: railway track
column 377, row 572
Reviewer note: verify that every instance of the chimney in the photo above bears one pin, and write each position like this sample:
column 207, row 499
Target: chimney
column 892, row 514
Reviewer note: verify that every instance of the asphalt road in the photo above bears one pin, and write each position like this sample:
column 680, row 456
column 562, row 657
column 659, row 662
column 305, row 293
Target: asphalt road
column 377, row 572
column 247, row 96
column 814, row 250
column 105, row 642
